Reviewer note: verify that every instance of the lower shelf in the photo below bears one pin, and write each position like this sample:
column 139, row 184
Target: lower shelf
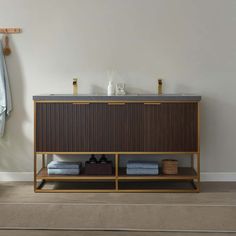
column 184, row 173
column 124, row 186
column 182, row 182
column 43, row 175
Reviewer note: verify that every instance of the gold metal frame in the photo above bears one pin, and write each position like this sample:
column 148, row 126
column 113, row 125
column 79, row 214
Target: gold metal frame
column 115, row 177
column 121, row 153
column 38, row 187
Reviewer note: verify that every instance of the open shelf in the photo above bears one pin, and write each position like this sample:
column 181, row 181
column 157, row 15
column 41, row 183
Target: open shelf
column 184, row 173
column 187, row 180
column 43, row 175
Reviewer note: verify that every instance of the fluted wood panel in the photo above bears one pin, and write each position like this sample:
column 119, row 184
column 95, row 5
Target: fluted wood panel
column 99, row 127
column 171, row 127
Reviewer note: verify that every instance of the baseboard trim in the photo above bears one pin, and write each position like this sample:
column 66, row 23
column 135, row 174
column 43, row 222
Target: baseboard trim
column 205, row 176
column 218, row 176
column 16, row 176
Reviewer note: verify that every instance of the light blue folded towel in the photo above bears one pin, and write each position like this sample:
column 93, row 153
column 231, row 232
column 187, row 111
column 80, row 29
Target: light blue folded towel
column 141, row 171
column 142, row 164
column 64, row 165
column 63, row 171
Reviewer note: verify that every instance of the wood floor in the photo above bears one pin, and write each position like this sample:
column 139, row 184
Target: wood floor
column 103, row 233
column 211, row 212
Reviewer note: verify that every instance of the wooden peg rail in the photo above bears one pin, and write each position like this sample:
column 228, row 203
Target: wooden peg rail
column 6, row 31
column 10, row 30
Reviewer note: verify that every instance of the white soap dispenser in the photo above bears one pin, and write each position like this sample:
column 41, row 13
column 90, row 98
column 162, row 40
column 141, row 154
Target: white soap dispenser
column 110, row 88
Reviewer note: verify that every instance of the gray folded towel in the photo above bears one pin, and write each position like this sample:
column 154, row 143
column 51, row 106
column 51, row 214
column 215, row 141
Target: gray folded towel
column 64, row 165
column 63, row 171
column 142, row 164
column 142, row 171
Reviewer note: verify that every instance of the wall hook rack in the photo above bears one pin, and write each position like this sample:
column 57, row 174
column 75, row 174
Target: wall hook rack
column 6, row 31
column 10, row 30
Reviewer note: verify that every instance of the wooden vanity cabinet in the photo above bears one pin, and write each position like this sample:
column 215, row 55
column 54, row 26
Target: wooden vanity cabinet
column 118, row 128
column 107, row 127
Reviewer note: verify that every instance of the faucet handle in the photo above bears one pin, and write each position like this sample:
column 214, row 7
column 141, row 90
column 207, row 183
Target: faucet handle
column 160, row 83
column 75, row 86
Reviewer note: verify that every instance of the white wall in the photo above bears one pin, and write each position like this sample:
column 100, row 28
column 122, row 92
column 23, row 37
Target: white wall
column 191, row 44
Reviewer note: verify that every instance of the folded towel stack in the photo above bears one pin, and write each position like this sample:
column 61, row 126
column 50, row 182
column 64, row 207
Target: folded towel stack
column 142, row 168
column 64, row 168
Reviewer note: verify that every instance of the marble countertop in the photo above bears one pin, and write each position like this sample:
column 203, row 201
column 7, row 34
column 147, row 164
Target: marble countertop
column 128, row 97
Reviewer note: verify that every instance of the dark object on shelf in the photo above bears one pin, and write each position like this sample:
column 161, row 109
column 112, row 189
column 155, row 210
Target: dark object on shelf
column 103, row 160
column 98, row 168
column 170, row 167
column 92, row 160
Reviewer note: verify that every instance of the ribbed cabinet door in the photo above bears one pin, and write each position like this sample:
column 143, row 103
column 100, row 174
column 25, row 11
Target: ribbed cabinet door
column 94, row 127
column 54, row 127
column 109, row 128
column 70, row 127
column 171, row 127
column 133, row 128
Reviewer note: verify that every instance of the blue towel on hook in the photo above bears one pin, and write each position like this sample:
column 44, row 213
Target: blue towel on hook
column 5, row 92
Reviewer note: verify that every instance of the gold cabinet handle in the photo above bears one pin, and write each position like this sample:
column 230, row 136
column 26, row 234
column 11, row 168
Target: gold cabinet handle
column 116, row 103
column 152, row 103
column 80, row 103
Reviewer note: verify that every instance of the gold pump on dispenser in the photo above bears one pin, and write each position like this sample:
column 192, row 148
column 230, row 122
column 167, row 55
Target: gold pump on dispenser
column 75, row 86
column 159, row 87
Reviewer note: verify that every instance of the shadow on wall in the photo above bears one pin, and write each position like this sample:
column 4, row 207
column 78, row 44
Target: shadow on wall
column 98, row 90
column 15, row 146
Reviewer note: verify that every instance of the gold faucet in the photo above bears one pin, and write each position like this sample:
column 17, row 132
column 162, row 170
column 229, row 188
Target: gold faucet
column 75, row 86
column 159, row 89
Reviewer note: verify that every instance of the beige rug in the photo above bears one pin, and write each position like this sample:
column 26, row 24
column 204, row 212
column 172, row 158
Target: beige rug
column 137, row 217
column 210, row 212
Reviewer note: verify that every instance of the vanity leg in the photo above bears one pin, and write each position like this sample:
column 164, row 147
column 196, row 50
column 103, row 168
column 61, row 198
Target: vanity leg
column 35, row 171
column 192, row 160
column 43, row 161
column 198, row 154
column 117, row 170
column 198, row 172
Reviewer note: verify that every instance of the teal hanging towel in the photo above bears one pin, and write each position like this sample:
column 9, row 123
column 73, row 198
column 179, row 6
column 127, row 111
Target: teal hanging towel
column 5, row 92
